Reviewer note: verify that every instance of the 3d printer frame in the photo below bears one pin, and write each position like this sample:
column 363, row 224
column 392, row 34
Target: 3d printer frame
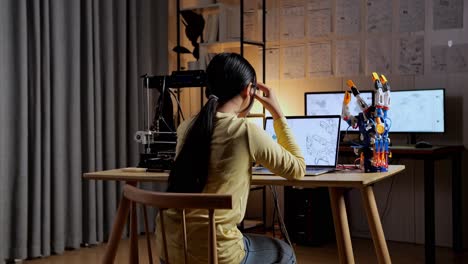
column 158, row 137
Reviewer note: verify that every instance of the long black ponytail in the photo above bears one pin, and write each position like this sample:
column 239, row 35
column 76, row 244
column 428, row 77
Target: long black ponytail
column 227, row 75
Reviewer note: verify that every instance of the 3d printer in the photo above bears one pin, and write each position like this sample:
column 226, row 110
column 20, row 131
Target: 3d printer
column 158, row 137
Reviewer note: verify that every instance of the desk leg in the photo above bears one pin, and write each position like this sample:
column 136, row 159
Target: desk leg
column 117, row 229
column 457, row 228
column 429, row 211
column 375, row 225
column 340, row 219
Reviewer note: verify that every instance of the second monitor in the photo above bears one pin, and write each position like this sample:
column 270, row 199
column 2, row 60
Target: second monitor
column 331, row 103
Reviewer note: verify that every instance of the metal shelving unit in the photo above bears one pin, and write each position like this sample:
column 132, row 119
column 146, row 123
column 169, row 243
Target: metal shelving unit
column 243, row 42
column 261, row 44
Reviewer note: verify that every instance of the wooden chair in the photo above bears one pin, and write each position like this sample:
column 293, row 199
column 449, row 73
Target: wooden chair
column 164, row 200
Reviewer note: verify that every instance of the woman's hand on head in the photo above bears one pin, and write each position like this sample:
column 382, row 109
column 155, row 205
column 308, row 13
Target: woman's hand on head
column 267, row 97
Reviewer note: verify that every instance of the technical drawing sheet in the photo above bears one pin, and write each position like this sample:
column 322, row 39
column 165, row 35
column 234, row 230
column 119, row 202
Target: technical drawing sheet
column 458, row 58
column 348, row 17
column 449, row 59
column 292, row 21
column 411, row 55
column 272, row 25
column 348, row 57
column 294, row 62
column 412, row 15
column 319, row 59
column 250, row 25
column 439, row 59
column 318, row 4
column 447, row 14
column 379, row 55
column 318, row 18
column 272, row 64
column 379, row 16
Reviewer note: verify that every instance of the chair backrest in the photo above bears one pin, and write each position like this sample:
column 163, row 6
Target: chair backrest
column 164, row 200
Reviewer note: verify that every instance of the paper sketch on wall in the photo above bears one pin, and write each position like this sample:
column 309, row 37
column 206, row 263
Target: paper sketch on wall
column 272, row 64
column 292, row 21
column 411, row 55
column 250, row 24
column 449, row 59
column 379, row 55
column 348, row 57
column 348, row 17
column 318, row 18
column 319, row 59
column 294, row 62
column 379, row 16
column 447, row 14
column 412, row 15
column 272, row 24
column 439, row 58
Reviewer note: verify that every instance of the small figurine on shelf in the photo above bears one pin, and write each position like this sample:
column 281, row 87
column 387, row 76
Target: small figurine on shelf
column 373, row 123
column 194, row 25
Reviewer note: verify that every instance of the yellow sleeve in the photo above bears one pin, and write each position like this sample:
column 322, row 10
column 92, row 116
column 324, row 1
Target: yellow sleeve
column 181, row 132
column 283, row 158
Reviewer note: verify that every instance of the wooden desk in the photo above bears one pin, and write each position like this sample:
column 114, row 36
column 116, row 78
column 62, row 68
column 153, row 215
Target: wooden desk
column 337, row 183
column 429, row 156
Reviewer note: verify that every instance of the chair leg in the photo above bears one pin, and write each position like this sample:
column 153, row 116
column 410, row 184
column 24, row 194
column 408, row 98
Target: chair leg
column 148, row 238
column 264, row 209
column 133, row 234
column 117, row 229
column 213, row 251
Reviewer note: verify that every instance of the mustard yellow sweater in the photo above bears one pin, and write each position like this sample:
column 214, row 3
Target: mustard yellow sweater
column 236, row 143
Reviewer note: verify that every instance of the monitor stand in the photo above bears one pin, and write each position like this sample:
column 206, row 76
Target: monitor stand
column 350, row 139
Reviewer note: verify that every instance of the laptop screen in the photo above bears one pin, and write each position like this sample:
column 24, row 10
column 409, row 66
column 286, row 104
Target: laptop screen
column 317, row 136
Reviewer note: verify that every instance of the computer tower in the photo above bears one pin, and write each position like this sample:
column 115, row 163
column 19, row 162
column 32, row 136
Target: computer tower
column 308, row 216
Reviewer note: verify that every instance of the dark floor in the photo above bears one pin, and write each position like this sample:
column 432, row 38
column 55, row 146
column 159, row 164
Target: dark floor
column 363, row 253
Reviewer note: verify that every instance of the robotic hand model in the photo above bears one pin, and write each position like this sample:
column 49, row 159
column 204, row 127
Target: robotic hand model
column 373, row 124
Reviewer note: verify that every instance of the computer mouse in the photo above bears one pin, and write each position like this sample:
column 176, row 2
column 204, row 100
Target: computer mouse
column 423, row 144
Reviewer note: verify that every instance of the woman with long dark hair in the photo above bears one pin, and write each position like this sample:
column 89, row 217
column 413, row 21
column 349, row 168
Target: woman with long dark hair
column 215, row 151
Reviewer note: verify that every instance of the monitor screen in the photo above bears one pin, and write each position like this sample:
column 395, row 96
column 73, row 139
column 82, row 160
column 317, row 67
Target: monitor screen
column 331, row 103
column 317, row 136
column 417, row 111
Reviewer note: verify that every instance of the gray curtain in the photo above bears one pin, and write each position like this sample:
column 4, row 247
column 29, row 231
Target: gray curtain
column 69, row 102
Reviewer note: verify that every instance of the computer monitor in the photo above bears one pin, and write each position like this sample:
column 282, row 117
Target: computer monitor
column 331, row 103
column 417, row 111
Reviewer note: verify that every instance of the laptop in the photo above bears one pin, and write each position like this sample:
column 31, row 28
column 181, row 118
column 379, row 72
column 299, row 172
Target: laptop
column 317, row 136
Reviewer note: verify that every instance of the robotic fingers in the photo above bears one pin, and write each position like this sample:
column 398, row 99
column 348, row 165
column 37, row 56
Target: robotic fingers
column 345, row 113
